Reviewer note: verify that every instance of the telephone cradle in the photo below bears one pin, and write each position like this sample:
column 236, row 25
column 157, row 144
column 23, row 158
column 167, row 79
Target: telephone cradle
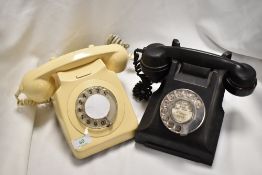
column 184, row 115
column 68, row 81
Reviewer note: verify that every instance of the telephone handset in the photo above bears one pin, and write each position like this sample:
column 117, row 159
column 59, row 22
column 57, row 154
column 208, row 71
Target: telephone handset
column 38, row 84
column 69, row 81
column 185, row 114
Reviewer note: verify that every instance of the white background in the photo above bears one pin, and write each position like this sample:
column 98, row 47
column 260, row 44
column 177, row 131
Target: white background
column 31, row 32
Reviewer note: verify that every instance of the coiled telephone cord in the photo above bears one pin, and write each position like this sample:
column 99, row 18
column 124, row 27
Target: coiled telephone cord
column 115, row 39
column 143, row 89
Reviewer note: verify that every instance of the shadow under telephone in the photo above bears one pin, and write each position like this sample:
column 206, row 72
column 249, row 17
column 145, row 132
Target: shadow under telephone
column 69, row 81
column 184, row 115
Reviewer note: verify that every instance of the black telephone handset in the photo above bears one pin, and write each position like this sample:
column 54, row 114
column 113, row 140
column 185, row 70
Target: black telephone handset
column 185, row 114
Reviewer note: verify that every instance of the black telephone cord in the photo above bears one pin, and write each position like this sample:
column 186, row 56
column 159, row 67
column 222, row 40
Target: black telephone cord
column 142, row 90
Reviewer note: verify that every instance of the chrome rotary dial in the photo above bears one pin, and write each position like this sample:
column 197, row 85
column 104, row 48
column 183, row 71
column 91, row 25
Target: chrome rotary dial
column 92, row 121
column 182, row 111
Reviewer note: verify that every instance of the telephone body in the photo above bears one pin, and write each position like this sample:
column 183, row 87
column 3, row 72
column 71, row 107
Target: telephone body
column 184, row 115
column 68, row 81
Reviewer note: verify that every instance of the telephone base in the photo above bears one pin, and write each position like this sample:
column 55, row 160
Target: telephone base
column 199, row 145
column 82, row 139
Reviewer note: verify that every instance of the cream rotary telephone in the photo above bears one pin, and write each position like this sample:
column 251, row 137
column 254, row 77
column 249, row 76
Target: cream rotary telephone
column 69, row 81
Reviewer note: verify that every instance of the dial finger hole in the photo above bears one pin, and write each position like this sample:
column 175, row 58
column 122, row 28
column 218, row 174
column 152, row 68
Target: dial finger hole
column 79, row 109
column 170, row 124
column 178, row 128
column 165, row 117
column 103, row 122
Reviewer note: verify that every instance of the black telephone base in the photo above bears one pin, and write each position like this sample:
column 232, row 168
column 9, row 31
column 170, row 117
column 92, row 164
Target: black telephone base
column 200, row 145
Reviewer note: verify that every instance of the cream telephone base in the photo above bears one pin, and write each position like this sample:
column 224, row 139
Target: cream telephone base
column 69, row 81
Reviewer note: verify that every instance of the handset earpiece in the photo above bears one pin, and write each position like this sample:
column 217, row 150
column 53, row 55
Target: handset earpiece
column 155, row 66
column 155, row 63
column 116, row 61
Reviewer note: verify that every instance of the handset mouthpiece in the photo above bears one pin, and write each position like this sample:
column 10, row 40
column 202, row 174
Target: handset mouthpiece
column 241, row 80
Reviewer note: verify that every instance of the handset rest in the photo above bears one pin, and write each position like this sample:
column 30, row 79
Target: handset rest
column 156, row 59
column 38, row 84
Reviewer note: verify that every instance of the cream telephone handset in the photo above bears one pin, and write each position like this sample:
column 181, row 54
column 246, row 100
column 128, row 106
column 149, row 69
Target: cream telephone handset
column 69, row 81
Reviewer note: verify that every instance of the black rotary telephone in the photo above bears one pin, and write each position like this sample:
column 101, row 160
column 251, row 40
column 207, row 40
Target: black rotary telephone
column 184, row 115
